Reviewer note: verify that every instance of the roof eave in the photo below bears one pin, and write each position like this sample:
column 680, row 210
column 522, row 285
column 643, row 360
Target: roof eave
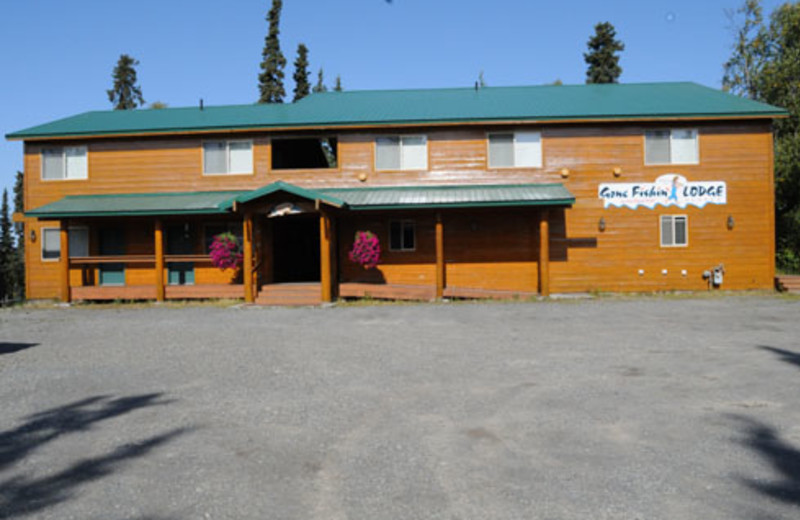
column 22, row 136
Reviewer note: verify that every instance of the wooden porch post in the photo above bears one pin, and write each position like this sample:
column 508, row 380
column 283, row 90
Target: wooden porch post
column 64, row 261
column 326, row 280
column 544, row 253
column 439, row 257
column 247, row 234
column 159, row 251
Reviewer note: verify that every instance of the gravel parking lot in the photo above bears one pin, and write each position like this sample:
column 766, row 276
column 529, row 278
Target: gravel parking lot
column 643, row 408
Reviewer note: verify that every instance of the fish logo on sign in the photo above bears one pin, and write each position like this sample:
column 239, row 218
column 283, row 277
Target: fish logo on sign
column 668, row 190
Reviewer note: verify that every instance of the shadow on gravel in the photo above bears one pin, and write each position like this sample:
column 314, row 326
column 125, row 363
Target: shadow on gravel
column 787, row 356
column 10, row 348
column 22, row 495
column 781, row 456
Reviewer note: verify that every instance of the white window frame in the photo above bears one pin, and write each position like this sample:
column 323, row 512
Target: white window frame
column 228, row 156
column 672, row 131
column 64, row 170
column 672, row 223
column 401, row 138
column 44, row 230
column 403, row 223
column 514, row 134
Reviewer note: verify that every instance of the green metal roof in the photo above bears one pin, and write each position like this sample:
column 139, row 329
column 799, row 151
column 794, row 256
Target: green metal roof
column 356, row 199
column 137, row 204
column 418, row 197
column 640, row 101
column 289, row 188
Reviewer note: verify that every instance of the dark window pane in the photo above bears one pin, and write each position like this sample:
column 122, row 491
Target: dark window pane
column 395, row 236
column 408, row 235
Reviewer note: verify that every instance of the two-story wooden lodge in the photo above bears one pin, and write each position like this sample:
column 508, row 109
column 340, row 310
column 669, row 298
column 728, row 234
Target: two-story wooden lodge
column 491, row 192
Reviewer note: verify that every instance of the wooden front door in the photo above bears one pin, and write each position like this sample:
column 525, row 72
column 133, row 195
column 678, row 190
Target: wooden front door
column 112, row 243
column 180, row 241
column 295, row 249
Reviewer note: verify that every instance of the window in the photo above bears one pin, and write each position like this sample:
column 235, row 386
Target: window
column 68, row 162
column 407, row 152
column 222, row 157
column 402, row 236
column 671, row 147
column 515, row 150
column 304, row 153
column 51, row 243
column 217, row 228
column 674, row 231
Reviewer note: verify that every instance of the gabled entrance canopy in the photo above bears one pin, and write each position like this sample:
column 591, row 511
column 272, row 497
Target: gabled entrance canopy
column 354, row 199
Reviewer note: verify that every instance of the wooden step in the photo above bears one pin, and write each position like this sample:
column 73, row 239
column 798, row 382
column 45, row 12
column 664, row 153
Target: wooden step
column 788, row 283
column 290, row 294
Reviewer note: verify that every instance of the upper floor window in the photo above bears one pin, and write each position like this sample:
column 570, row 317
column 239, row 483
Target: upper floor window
column 406, row 152
column 222, row 157
column 305, row 153
column 515, row 150
column 676, row 146
column 67, row 162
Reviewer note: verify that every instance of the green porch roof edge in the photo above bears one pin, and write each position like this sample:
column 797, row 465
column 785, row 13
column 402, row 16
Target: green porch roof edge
column 627, row 101
column 356, row 199
column 289, row 188
column 138, row 204
column 453, row 196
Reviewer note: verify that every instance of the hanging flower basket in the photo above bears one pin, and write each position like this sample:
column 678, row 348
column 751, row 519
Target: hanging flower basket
column 225, row 252
column 366, row 249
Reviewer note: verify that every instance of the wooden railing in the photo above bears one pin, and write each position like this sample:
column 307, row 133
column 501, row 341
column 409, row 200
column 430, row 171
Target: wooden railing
column 136, row 259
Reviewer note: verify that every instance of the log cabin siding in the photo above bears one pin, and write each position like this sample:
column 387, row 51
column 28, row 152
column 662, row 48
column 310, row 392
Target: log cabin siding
column 582, row 257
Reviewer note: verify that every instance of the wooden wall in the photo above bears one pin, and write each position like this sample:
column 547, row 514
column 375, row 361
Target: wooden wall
column 582, row 257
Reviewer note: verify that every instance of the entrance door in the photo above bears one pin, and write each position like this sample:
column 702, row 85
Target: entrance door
column 180, row 241
column 295, row 249
column 112, row 243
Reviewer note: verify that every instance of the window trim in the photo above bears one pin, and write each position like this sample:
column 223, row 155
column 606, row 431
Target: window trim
column 672, row 219
column 42, row 231
column 513, row 133
column 401, row 137
column 227, row 157
column 694, row 130
column 63, row 150
column 402, row 222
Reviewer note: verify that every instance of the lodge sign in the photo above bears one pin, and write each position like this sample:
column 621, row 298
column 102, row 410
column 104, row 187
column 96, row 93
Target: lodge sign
column 667, row 190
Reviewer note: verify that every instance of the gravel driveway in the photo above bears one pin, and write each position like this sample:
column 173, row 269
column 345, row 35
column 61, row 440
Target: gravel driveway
column 603, row 409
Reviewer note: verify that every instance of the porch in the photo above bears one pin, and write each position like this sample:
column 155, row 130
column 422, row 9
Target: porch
column 295, row 243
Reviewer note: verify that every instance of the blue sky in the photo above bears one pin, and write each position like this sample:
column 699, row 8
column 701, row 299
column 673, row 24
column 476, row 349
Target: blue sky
column 58, row 55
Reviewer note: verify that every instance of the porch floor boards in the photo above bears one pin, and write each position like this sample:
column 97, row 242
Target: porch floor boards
column 290, row 294
column 387, row 291
column 148, row 292
column 788, row 283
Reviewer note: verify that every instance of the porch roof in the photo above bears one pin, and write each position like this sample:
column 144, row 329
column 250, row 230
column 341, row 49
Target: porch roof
column 356, row 199
column 138, row 204
column 471, row 196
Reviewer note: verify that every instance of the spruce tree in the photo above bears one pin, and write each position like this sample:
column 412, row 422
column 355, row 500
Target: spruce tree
column 270, row 81
column 338, row 86
column 19, row 227
column 301, row 85
column 320, row 86
column 7, row 254
column 602, row 57
column 125, row 93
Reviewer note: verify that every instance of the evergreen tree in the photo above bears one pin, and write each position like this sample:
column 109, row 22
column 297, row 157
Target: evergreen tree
column 765, row 66
column 301, row 84
column 270, row 81
column 602, row 57
column 125, row 94
column 320, row 86
column 8, row 255
column 338, row 86
column 19, row 227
